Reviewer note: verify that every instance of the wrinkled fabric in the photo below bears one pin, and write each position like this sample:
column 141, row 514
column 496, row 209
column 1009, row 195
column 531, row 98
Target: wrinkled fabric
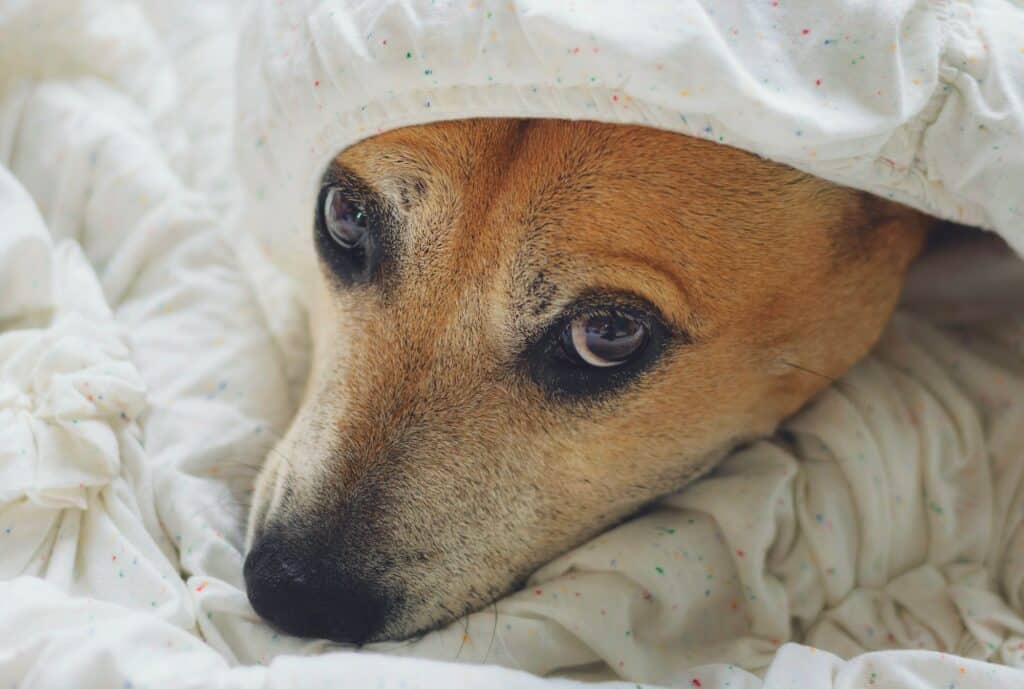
column 921, row 101
column 152, row 348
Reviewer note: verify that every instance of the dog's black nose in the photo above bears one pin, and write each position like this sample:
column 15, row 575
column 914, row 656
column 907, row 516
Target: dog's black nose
column 303, row 592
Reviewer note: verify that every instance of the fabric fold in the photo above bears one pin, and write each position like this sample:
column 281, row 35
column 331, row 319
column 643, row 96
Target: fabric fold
column 152, row 348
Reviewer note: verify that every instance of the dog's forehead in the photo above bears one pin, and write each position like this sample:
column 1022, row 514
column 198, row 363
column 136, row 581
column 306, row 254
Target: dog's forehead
column 538, row 210
column 531, row 213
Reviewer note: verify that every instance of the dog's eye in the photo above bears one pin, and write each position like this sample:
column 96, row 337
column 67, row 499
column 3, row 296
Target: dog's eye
column 348, row 233
column 604, row 341
column 596, row 348
column 345, row 221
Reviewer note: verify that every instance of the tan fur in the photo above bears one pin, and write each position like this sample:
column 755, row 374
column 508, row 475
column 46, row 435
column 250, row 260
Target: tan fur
column 450, row 473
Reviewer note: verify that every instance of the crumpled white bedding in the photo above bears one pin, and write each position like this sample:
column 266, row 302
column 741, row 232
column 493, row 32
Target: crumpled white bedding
column 151, row 351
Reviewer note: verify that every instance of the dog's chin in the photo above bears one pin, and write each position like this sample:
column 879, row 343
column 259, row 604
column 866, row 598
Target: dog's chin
column 402, row 630
column 410, row 624
column 461, row 596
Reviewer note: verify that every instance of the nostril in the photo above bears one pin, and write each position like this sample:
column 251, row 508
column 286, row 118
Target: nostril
column 302, row 594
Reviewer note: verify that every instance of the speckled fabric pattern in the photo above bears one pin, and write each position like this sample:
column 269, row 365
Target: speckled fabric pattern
column 921, row 101
column 153, row 347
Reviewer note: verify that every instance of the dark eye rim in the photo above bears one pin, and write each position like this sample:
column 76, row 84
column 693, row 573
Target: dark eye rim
column 562, row 378
column 360, row 262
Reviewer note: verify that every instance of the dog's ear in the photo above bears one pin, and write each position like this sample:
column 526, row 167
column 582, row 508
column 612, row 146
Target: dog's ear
column 871, row 244
column 883, row 229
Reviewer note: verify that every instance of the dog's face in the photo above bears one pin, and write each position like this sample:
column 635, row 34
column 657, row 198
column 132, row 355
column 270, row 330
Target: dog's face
column 525, row 330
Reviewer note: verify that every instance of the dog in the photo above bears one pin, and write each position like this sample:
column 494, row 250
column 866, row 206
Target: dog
column 526, row 330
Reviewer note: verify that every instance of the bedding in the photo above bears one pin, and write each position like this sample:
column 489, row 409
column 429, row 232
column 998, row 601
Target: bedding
column 157, row 164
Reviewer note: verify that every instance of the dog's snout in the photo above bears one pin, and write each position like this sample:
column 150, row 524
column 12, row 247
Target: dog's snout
column 302, row 590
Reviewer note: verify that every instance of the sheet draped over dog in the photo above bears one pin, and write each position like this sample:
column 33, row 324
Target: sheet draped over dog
column 152, row 346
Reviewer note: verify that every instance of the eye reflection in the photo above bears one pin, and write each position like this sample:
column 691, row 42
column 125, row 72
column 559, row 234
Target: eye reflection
column 605, row 340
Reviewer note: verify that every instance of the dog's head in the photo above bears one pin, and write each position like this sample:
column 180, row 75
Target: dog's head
column 526, row 329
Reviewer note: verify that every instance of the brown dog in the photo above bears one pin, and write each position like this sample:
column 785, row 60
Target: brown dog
column 525, row 330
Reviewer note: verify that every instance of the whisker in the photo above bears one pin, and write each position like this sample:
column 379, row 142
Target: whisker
column 810, row 371
column 494, row 631
column 465, row 635
column 229, row 471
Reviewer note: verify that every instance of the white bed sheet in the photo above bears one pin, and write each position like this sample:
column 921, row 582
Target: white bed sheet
column 150, row 353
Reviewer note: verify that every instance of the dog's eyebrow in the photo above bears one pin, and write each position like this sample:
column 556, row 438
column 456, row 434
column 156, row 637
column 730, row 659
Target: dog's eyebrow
column 410, row 190
column 652, row 280
column 338, row 174
column 625, row 278
column 406, row 188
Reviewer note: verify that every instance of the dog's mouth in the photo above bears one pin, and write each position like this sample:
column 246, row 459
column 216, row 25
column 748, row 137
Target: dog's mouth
column 320, row 596
column 309, row 580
